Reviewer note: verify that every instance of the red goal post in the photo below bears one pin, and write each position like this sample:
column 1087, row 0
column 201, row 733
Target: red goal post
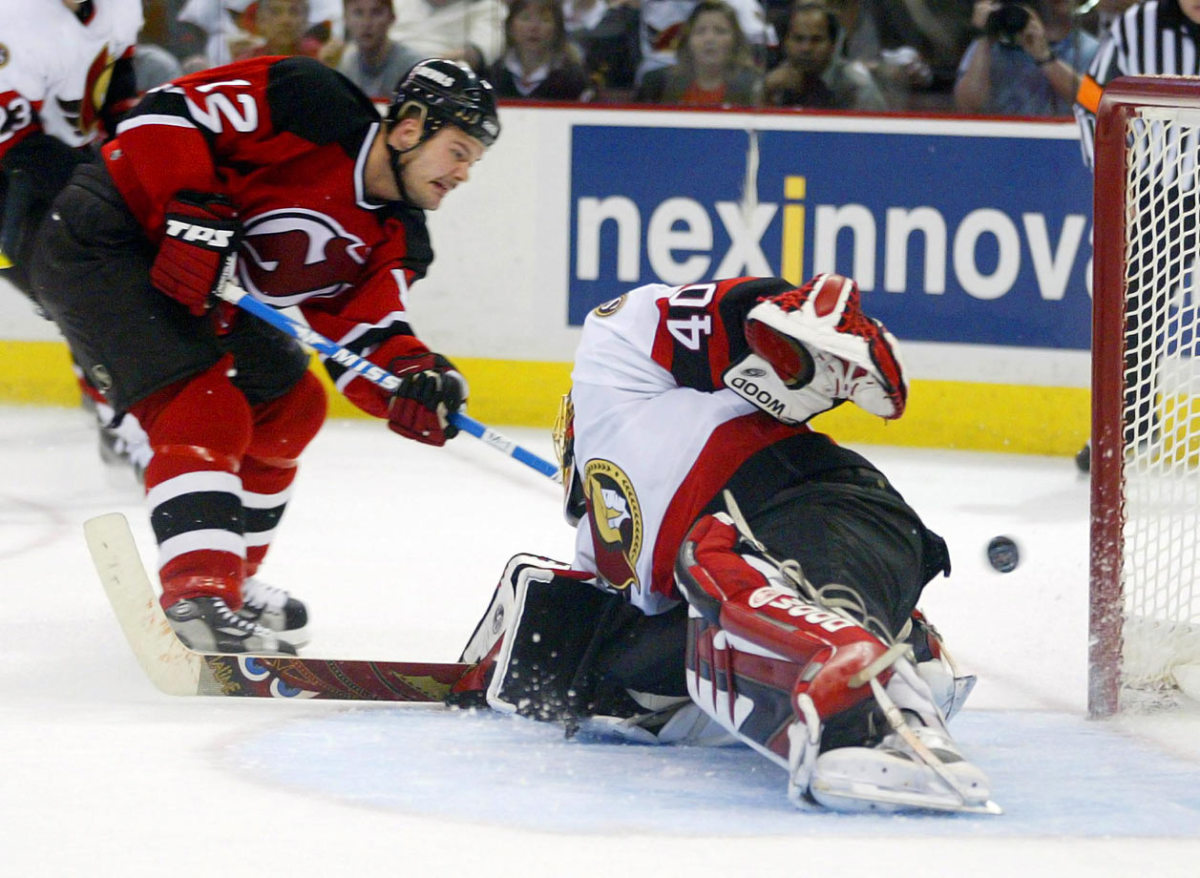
column 1145, row 462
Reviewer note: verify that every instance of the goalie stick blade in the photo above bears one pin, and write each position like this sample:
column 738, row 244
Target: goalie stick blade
column 177, row 670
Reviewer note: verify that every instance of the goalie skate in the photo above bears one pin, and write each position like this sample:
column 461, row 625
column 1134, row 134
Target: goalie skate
column 891, row 777
column 915, row 767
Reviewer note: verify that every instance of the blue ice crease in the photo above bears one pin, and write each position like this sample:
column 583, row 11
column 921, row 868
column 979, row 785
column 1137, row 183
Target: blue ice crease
column 1054, row 774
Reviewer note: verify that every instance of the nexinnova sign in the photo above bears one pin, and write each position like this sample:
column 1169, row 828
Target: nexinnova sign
column 952, row 238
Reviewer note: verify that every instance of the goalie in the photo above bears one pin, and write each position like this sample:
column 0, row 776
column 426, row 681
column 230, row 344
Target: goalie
column 737, row 574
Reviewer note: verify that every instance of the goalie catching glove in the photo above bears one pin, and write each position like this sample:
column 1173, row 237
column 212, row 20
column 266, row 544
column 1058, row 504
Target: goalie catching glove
column 814, row 347
column 199, row 249
column 430, row 390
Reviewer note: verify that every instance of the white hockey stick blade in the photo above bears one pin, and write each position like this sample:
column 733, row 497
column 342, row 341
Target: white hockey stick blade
column 867, row 794
column 177, row 670
column 170, row 665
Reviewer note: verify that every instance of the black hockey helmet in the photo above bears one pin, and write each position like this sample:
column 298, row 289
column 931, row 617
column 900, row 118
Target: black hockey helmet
column 447, row 91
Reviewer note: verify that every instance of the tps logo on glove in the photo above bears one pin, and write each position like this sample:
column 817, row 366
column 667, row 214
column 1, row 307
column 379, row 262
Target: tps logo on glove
column 215, row 239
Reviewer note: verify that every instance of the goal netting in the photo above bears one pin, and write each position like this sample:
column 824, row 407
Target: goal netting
column 1145, row 569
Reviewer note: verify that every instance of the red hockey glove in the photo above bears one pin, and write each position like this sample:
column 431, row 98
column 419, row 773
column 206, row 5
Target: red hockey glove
column 430, row 390
column 198, row 250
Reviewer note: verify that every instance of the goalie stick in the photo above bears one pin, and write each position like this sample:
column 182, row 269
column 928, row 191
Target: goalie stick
column 177, row 670
column 235, row 295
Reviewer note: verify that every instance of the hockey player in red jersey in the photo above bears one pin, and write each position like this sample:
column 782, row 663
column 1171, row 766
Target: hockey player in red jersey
column 737, row 573
column 279, row 173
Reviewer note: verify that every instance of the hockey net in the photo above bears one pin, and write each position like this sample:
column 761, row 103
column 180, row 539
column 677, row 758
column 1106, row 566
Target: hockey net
column 1145, row 566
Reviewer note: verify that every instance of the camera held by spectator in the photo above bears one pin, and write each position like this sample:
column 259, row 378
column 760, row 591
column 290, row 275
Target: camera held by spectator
column 1006, row 22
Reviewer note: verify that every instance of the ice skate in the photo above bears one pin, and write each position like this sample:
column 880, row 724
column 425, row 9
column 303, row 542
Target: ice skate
column 124, row 445
column 917, row 767
column 206, row 624
column 275, row 609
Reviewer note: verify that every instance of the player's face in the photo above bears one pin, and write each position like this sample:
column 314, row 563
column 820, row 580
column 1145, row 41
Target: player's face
column 1191, row 8
column 438, row 165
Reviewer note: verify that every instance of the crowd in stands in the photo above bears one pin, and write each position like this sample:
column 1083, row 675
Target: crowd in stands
column 989, row 57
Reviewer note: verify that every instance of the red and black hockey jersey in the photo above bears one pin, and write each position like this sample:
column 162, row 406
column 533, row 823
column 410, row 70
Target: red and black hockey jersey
column 286, row 140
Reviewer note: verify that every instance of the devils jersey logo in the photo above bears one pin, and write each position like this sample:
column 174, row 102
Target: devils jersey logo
column 292, row 255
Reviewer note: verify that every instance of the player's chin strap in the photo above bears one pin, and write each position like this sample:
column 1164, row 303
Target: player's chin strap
column 396, row 155
column 847, row 604
column 396, row 162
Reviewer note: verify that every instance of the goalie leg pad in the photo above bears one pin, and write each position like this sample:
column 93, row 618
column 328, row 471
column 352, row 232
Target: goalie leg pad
column 760, row 658
column 483, row 647
column 529, row 645
column 551, row 646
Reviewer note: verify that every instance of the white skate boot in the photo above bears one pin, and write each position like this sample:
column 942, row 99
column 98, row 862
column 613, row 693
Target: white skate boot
column 275, row 609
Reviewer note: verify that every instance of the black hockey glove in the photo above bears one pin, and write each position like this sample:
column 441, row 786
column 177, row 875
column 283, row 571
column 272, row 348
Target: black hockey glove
column 431, row 389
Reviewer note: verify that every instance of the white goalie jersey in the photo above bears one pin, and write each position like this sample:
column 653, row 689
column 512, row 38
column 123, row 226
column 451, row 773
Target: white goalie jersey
column 650, row 364
column 55, row 67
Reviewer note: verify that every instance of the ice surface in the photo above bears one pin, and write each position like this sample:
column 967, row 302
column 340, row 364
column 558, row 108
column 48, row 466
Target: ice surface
column 396, row 548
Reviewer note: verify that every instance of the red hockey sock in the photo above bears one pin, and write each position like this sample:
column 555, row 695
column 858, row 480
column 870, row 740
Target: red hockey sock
column 199, row 429
column 282, row 430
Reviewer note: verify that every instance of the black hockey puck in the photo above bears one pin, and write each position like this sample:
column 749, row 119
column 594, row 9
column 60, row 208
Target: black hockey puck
column 1003, row 555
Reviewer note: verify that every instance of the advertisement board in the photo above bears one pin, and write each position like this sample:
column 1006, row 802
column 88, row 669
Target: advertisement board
column 951, row 238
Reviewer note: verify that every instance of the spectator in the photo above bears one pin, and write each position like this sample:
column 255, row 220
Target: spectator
column 153, row 65
column 606, row 34
column 163, row 27
column 812, row 74
column 153, row 62
column 1097, row 16
column 539, row 60
column 280, row 28
column 715, row 66
column 373, row 61
column 867, row 37
column 230, row 24
column 661, row 31
column 1028, row 61
column 218, row 21
column 938, row 31
column 461, row 30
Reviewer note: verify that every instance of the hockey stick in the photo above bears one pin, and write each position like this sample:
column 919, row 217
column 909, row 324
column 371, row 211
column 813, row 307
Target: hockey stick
column 378, row 375
column 177, row 670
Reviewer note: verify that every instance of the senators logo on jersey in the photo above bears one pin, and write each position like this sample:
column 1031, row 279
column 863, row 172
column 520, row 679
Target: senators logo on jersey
column 292, row 255
column 616, row 521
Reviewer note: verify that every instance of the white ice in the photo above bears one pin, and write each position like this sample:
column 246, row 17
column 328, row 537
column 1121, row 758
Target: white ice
column 396, row 548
